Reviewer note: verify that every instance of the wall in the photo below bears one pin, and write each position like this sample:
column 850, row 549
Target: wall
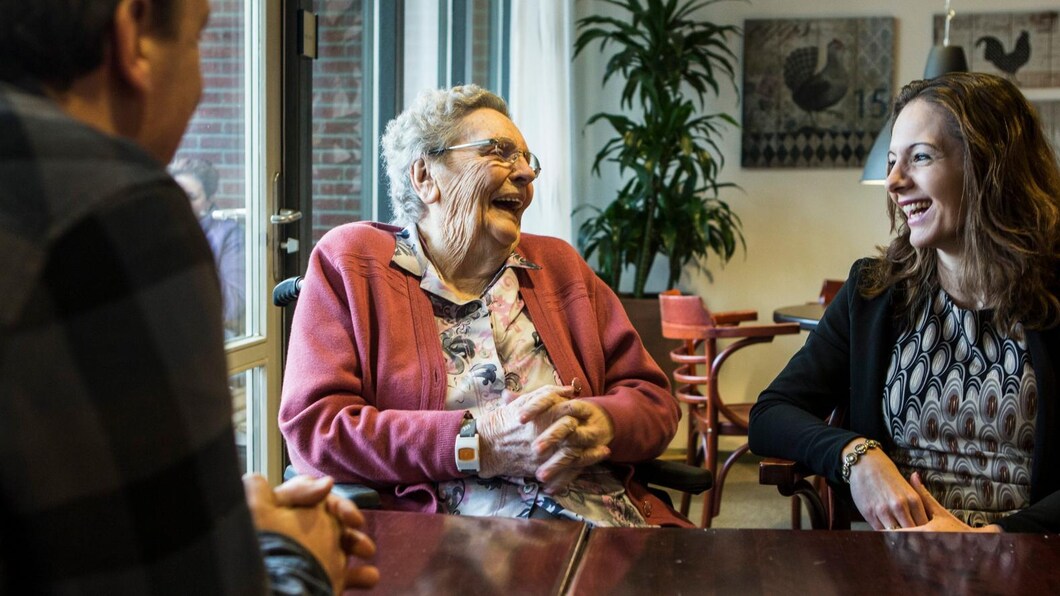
column 338, row 86
column 801, row 226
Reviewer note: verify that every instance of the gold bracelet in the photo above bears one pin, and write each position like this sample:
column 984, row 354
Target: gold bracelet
column 852, row 458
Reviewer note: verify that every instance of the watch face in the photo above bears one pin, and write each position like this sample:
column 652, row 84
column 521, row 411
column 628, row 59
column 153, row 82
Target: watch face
column 465, row 454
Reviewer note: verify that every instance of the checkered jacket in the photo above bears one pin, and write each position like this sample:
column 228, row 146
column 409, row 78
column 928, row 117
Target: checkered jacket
column 118, row 468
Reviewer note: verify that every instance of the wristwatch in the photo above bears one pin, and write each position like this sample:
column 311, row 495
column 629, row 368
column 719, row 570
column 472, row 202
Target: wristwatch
column 467, row 445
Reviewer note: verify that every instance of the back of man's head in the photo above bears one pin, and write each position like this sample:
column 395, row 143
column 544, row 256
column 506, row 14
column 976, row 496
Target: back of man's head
column 54, row 42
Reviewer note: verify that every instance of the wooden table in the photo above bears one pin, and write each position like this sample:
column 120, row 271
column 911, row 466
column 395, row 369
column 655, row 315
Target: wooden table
column 440, row 554
column 667, row 561
column 806, row 315
column 420, row 553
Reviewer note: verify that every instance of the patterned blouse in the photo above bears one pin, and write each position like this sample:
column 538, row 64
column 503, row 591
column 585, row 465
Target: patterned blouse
column 960, row 402
column 491, row 345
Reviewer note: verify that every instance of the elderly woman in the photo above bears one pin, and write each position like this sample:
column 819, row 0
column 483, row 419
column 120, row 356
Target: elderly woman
column 460, row 366
column 943, row 350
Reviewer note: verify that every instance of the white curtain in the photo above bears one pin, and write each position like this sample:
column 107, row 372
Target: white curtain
column 540, row 101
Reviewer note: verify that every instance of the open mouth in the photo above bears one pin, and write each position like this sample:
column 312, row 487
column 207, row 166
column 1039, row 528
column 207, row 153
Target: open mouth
column 915, row 209
column 512, row 204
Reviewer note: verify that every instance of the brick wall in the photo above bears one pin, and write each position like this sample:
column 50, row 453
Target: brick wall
column 215, row 133
column 337, row 116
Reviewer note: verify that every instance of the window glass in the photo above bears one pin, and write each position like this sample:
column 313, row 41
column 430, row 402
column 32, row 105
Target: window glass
column 249, row 417
column 211, row 163
column 219, row 165
column 237, row 385
column 482, row 57
column 420, row 67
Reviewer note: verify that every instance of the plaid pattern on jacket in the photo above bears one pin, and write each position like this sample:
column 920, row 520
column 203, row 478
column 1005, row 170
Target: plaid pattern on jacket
column 118, row 468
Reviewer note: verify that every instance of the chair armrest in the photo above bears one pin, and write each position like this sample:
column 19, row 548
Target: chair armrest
column 781, row 473
column 790, row 480
column 287, row 291
column 756, row 330
column 733, row 317
column 676, row 475
column 365, row 497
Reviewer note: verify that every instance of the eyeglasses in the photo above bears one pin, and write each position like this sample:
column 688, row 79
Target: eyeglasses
column 502, row 149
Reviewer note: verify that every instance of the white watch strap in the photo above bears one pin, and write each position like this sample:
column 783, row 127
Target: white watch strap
column 467, row 447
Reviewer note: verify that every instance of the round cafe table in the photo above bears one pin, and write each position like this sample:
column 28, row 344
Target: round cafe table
column 806, row 315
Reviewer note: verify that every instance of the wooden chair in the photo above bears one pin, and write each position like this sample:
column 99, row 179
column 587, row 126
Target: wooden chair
column 709, row 416
column 793, row 480
column 829, row 289
column 826, row 511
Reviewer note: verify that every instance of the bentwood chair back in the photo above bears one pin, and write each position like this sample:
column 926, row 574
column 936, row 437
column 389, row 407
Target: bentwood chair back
column 699, row 360
column 829, row 289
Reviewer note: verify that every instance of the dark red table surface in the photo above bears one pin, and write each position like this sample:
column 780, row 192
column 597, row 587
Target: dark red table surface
column 442, row 554
column 667, row 561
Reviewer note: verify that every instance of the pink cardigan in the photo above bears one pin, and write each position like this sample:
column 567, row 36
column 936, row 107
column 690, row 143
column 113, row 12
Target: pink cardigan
column 364, row 388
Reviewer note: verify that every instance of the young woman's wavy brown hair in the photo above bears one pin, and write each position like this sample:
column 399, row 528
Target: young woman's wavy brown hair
column 1010, row 221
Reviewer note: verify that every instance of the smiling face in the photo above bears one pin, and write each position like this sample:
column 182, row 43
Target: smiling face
column 926, row 177
column 476, row 203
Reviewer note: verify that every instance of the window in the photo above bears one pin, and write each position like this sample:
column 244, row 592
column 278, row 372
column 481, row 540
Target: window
column 315, row 142
column 211, row 163
column 221, row 164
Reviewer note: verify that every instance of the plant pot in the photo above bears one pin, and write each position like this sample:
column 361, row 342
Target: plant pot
column 644, row 314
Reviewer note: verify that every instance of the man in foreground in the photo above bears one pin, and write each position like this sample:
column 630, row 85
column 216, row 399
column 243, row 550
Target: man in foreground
column 118, row 469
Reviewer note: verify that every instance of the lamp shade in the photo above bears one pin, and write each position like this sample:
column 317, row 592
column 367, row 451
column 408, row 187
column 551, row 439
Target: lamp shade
column 875, row 171
column 941, row 60
column 944, row 59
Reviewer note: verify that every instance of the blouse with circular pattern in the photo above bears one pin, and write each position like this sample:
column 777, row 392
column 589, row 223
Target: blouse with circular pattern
column 960, row 403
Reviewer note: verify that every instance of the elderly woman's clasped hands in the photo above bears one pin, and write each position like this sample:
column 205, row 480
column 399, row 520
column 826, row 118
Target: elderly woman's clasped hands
column 545, row 434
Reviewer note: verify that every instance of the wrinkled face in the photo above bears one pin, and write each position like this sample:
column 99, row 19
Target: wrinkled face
column 196, row 193
column 481, row 197
column 176, row 81
column 926, row 177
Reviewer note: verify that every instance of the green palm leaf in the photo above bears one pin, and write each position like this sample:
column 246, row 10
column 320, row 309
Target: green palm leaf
column 671, row 62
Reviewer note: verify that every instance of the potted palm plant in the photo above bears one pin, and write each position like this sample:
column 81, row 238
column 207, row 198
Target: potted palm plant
column 670, row 205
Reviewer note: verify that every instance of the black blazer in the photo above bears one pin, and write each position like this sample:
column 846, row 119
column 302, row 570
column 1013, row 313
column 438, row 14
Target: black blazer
column 844, row 362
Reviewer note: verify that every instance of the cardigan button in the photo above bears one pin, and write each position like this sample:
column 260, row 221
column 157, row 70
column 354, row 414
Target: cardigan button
column 647, row 508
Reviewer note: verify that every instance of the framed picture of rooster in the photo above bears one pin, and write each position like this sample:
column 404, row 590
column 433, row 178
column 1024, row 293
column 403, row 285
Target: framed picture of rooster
column 1023, row 46
column 816, row 92
column 1049, row 112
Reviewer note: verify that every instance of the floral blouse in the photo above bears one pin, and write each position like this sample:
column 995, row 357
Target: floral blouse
column 491, row 345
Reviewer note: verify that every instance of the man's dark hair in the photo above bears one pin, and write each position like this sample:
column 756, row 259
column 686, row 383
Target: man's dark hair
column 53, row 42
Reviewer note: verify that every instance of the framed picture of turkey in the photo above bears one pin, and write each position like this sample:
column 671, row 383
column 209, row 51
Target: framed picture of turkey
column 1023, row 46
column 816, row 92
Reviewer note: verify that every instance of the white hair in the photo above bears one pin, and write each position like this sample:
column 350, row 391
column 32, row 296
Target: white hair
column 431, row 122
